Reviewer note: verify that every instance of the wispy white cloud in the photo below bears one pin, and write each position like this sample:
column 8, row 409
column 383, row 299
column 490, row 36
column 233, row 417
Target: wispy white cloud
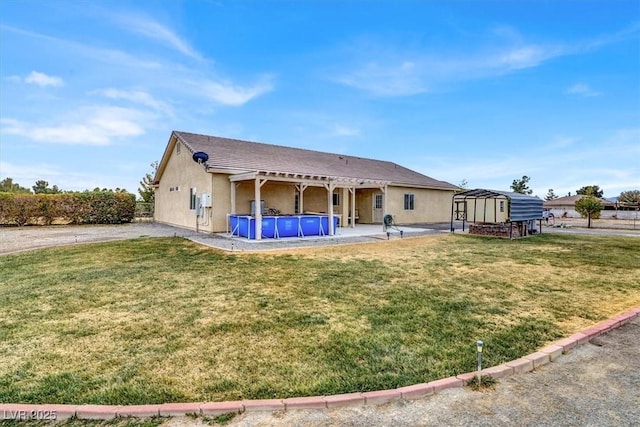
column 228, row 93
column 342, row 130
column 562, row 142
column 174, row 78
column 520, row 58
column 154, row 30
column 42, row 79
column 92, row 126
column 582, row 89
column 73, row 48
column 137, row 97
column 398, row 78
column 399, row 73
column 386, row 70
column 37, row 78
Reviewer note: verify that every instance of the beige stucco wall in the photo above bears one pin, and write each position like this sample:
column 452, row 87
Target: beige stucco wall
column 315, row 200
column 276, row 195
column 172, row 206
column 220, row 202
column 429, row 205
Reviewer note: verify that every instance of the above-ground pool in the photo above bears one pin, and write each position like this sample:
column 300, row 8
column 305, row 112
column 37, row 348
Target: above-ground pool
column 275, row 227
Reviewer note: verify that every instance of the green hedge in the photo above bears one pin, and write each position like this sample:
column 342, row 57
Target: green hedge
column 90, row 207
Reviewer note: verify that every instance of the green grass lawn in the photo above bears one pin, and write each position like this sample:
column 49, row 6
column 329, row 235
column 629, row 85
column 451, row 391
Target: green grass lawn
column 166, row 320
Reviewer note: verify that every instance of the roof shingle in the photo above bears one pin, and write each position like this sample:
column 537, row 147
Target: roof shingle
column 234, row 154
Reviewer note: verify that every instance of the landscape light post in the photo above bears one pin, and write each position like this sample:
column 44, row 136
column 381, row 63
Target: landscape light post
column 479, row 346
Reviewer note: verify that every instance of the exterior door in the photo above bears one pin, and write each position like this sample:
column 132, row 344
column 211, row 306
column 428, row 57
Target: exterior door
column 377, row 208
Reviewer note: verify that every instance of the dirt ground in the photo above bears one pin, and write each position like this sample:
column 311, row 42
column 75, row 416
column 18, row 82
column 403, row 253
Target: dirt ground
column 616, row 224
column 19, row 239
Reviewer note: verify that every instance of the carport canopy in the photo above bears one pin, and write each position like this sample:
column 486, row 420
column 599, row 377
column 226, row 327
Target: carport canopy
column 520, row 207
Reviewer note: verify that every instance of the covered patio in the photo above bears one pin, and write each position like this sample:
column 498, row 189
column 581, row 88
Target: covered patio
column 347, row 215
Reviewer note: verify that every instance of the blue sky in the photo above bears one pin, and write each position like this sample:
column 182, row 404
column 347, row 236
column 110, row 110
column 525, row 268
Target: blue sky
column 485, row 91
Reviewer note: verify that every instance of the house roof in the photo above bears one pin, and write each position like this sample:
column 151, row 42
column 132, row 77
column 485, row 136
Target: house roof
column 239, row 156
column 571, row 201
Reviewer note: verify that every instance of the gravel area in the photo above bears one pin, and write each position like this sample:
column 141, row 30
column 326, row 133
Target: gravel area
column 19, row 239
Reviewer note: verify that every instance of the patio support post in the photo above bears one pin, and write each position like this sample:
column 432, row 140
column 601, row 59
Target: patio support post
column 301, row 187
column 258, row 211
column 344, row 204
column 233, row 197
column 352, row 190
column 330, row 187
column 384, row 201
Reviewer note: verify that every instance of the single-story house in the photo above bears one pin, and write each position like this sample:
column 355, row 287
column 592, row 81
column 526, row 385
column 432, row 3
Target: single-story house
column 565, row 207
column 201, row 180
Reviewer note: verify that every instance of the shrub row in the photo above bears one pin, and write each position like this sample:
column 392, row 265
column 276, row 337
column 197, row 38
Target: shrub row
column 90, row 207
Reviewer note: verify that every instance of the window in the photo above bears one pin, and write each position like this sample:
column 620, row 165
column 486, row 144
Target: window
column 178, row 148
column 409, row 200
column 501, row 205
column 377, row 203
column 192, row 199
column 336, row 199
column 296, row 203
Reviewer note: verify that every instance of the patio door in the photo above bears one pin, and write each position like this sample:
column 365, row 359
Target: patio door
column 377, row 208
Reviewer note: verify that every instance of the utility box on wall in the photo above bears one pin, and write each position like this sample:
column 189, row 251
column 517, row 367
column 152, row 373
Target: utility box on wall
column 205, row 200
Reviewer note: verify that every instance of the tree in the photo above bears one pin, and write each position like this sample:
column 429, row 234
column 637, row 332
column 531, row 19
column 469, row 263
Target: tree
column 631, row 197
column 463, row 186
column 520, row 185
column 591, row 190
column 550, row 195
column 589, row 207
column 42, row 187
column 8, row 186
column 146, row 190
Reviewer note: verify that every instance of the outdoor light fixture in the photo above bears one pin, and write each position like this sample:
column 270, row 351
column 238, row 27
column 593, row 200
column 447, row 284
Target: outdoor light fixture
column 479, row 346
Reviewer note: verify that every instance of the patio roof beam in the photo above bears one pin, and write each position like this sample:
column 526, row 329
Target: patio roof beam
column 310, row 179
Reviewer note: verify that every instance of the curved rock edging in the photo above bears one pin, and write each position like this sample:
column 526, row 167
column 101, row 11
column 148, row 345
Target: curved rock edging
column 524, row 364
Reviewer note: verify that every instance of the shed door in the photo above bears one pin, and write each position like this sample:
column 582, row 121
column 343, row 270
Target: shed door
column 377, row 208
column 461, row 210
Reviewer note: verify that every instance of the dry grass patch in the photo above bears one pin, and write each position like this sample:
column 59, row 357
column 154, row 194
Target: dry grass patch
column 165, row 320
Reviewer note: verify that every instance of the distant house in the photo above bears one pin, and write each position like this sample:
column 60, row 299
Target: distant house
column 565, row 207
column 202, row 179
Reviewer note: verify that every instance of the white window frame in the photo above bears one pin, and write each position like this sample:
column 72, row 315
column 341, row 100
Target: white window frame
column 409, row 201
column 378, row 201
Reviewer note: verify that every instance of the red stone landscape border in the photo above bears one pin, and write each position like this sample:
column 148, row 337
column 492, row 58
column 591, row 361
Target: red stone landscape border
column 524, row 364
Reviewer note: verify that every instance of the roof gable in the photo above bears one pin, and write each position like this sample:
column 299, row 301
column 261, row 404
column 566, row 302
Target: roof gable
column 245, row 156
